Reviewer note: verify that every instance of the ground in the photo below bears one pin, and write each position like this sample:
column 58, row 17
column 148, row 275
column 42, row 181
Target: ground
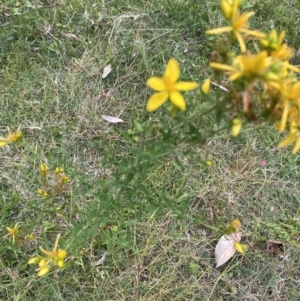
column 52, row 57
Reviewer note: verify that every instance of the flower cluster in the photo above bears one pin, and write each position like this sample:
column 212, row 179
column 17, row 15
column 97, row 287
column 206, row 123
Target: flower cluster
column 263, row 85
column 53, row 258
column 53, row 182
column 11, row 137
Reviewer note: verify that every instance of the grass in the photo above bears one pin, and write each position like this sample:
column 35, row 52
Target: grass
column 52, row 57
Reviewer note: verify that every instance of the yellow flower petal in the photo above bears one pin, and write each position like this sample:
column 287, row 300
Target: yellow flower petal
column 235, row 76
column 235, row 6
column 284, row 117
column 34, row 260
column 291, row 138
column 172, row 72
column 241, row 41
column 219, row 30
column 206, row 86
column 236, row 126
column 291, row 67
column 157, row 100
column 156, row 83
column 295, row 91
column 240, row 247
column 48, row 253
column 255, row 33
column 178, row 100
column 239, row 22
column 226, row 9
column 296, row 147
column 60, row 263
column 44, row 271
column 3, row 142
column 222, row 67
column 185, row 86
column 42, row 263
column 61, row 254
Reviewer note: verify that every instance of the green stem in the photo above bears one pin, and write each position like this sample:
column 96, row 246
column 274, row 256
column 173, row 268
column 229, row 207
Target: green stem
column 190, row 120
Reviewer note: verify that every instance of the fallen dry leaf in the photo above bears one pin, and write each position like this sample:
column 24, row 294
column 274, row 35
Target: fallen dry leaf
column 106, row 71
column 112, row 119
column 68, row 35
column 275, row 246
column 225, row 248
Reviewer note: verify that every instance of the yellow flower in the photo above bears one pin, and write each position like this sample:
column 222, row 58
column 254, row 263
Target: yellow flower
column 42, row 192
column 238, row 23
column 54, row 257
column 54, row 254
column 208, row 163
column 286, row 88
column 64, row 179
column 287, row 94
column 31, row 236
column 12, row 232
column 206, row 86
column 272, row 41
column 14, row 137
column 58, row 170
column 236, row 126
column 294, row 136
column 44, row 169
column 11, row 137
column 168, row 87
column 248, row 66
column 233, row 227
column 273, row 44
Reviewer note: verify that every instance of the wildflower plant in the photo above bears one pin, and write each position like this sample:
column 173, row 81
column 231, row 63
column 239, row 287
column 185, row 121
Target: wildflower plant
column 55, row 257
column 54, row 182
column 12, row 137
column 260, row 86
